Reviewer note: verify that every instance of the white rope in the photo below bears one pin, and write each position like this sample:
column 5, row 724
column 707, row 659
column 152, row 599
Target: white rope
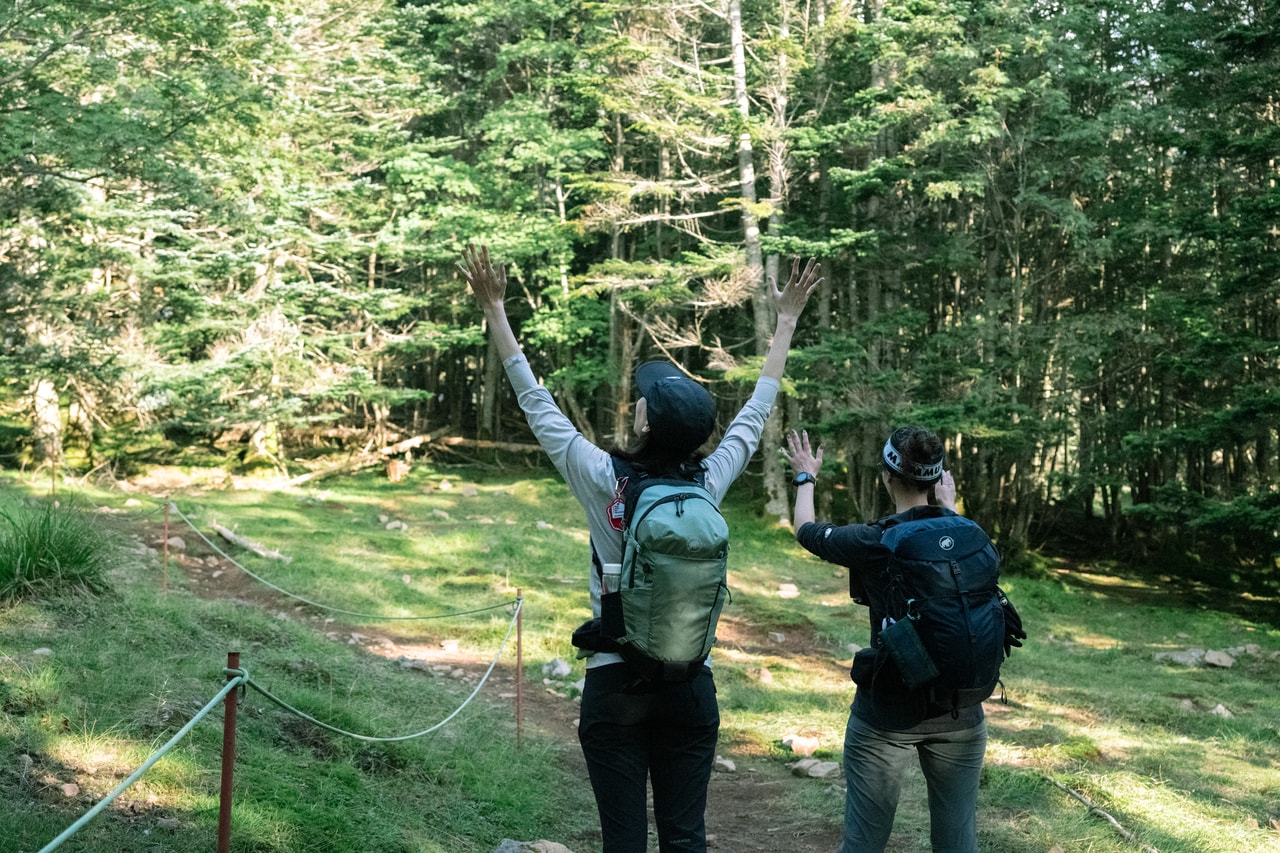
column 296, row 597
column 286, row 706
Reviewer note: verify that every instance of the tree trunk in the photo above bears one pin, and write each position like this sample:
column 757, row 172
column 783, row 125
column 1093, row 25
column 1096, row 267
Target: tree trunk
column 623, row 345
column 621, row 334
column 777, row 499
column 46, row 429
column 489, row 384
column 776, row 503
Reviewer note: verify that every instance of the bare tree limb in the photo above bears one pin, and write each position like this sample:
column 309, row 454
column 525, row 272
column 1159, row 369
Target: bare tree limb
column 1094, row 809
column 370, row 459
column 236, row 539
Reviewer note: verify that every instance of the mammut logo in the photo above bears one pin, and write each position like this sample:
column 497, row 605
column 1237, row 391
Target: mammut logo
column 946, row 543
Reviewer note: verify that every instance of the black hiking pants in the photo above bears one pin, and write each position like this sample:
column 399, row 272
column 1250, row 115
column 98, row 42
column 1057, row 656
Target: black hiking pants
column 632, row 730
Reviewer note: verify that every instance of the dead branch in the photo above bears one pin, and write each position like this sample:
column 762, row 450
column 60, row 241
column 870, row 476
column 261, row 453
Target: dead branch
column 1095, row 810
column 236, row 539
column 380, row 456
column 514, row 447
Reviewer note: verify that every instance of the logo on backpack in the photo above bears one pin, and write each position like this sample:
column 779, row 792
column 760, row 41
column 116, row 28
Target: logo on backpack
column 673, row 584
column 945, row 632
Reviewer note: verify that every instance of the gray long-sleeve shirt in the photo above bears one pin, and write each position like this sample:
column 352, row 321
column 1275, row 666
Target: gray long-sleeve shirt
column 588, row 470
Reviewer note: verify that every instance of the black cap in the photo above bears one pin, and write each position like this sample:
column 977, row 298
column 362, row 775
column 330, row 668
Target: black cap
column 681, row 413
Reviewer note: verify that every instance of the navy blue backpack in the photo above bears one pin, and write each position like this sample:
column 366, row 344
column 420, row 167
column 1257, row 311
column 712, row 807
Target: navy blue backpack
column 946, row 629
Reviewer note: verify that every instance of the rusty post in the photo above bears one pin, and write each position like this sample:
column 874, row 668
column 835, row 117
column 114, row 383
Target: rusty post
column 519, row 663
column 164, row 577
column 228, row 757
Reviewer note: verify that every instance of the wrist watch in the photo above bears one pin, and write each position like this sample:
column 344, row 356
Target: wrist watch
column 804, row 477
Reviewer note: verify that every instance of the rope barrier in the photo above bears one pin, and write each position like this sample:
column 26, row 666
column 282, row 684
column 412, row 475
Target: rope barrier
column 371, row 738
column 371, row 616
column 241, row 678
column 133, row 777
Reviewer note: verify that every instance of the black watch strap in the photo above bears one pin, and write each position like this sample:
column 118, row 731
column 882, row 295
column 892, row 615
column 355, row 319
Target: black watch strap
column 804, row 477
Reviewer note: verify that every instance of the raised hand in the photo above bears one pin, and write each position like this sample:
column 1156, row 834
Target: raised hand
column 487, row 282
column 801, row 456
column 790, row 301
column 945, row 491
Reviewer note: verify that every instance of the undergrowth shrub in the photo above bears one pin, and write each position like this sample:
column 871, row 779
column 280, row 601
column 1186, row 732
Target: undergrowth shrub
column 53, row 547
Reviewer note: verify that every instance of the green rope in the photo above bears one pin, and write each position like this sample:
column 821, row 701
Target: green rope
column 240, row 677
column 371, row 616
column 292, row 710
column 156, row 756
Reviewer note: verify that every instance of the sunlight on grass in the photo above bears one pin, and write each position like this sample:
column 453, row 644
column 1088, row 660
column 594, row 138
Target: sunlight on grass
column 1114, row 582
column 1088, row 706
column 1173, row 787
column 263, row 828
column 99, row 761
column 1164, row 816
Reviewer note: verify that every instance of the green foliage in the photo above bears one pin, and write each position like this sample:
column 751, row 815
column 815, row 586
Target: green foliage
column 1046, row 231
column 48, row 548
column 1246, row 530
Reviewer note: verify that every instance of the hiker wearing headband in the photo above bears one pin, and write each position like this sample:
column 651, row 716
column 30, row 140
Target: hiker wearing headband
column 890, row 724
column 635, row 730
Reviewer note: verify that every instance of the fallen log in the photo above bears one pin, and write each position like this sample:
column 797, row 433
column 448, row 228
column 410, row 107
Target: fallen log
column 380, row 456
column 367, row 461
column 483, row 444
column 236, row 539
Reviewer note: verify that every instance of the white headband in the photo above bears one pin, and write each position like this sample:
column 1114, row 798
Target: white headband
column 920, row 473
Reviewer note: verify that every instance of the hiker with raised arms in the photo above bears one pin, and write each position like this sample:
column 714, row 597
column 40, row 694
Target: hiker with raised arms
column 637, row 725
column 938, row 634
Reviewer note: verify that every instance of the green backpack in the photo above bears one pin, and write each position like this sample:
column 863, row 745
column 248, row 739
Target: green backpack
column 673, row 585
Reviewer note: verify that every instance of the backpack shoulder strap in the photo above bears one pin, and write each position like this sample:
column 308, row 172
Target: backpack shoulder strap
column 622, row 469
column 628, row 483
column 625, row 478
column 632, row 481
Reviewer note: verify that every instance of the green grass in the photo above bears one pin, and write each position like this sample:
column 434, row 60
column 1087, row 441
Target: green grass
column 127, row 671
column 1089, row 708
column 50, row 546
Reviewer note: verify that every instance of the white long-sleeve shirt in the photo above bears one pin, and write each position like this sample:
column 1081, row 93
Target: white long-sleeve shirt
column 588, row 470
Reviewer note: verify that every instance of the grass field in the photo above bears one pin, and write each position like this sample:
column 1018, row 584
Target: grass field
column 1183, row 759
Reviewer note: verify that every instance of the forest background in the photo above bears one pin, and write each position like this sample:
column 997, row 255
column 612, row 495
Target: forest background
column 228, row 231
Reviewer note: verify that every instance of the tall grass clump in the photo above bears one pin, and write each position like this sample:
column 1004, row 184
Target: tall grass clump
column 53, row 547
